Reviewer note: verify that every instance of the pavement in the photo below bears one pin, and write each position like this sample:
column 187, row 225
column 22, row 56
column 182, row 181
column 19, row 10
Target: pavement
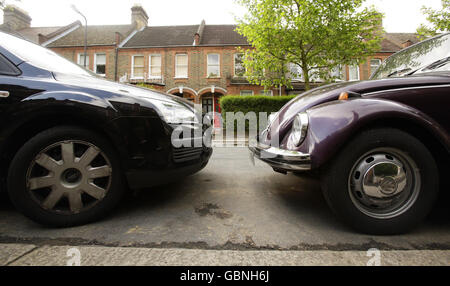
column 231, row 213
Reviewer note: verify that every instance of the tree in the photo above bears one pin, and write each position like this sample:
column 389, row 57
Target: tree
column 439, row 20
column 316, row 35
column 3, row 3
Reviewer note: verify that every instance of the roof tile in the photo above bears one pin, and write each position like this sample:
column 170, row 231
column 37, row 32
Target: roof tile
column 97, row 36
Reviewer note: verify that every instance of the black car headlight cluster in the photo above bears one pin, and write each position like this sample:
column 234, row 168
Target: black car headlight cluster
column 175, row 113
column 299, row 130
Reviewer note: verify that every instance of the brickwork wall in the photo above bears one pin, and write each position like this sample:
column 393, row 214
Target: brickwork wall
column 71, row 54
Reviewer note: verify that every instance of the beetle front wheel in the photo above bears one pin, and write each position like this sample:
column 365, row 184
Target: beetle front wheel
column 383, row 182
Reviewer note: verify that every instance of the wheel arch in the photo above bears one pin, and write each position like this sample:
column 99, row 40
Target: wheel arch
column 352, row 118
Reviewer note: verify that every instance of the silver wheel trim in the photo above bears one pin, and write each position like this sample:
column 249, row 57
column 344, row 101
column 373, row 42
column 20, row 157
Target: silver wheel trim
column 59, row 179
column 384, row 183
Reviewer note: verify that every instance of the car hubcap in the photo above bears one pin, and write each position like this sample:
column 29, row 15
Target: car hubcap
column 384, row 183
column 69, row 177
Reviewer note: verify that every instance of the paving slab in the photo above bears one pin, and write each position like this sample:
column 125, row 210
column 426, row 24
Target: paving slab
column 128, row 256
column 11, row 252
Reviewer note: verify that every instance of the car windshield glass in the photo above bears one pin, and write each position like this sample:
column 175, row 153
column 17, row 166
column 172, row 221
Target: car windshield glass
column 430, row 55
column 39, row 56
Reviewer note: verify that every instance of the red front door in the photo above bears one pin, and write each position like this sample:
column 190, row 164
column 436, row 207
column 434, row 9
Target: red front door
column 217, row 111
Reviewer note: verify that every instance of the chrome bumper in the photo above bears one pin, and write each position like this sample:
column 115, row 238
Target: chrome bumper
column 280, row 159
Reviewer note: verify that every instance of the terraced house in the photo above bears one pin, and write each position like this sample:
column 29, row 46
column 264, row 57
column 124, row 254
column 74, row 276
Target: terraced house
column 198, row 62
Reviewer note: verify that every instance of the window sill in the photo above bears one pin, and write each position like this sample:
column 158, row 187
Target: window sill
column 181, row 78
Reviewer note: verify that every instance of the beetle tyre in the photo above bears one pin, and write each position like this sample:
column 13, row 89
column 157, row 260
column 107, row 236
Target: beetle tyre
column 358, row 192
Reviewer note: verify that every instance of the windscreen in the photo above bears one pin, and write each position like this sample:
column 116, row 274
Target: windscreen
column 430, row 55
column 40, row 57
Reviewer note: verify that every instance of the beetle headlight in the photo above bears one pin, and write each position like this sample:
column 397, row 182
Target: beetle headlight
column 299, row 129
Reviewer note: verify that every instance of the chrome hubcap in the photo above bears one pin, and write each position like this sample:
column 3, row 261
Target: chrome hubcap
column 69, row 177
column 384, row 183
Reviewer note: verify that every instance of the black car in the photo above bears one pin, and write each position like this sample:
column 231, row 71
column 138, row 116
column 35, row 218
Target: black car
column 70, row 142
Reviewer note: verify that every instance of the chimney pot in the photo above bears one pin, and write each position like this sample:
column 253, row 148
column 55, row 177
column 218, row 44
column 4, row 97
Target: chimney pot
column 406, row 44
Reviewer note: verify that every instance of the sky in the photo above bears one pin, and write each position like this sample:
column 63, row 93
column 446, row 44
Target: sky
column 400, row 15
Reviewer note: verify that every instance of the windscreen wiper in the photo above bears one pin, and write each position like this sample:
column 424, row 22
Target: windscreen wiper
column 397, row 72
column 437, row 64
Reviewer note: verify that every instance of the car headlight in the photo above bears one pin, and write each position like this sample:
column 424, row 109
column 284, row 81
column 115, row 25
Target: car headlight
column 299, row 129
column 175, row 113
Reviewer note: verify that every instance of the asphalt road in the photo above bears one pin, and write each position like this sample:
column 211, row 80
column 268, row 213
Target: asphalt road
column 230, row 205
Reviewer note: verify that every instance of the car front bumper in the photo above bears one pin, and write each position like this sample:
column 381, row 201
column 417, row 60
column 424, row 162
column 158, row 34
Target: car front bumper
column 141, row 179
column 280, row 159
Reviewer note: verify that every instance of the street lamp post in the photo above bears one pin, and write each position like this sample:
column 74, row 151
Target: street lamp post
column 85, row 32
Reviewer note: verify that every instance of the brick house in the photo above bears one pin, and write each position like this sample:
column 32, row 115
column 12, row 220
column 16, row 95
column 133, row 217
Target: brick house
column 17, row 22
column 198, row 62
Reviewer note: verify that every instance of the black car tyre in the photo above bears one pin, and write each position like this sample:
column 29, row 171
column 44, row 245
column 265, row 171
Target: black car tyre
column 65, row 176
column 384, row 181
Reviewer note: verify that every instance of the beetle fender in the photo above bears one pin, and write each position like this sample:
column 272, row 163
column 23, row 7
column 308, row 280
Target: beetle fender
column 335, row 123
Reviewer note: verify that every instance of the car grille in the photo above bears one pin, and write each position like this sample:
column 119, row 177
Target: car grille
column 181, row 155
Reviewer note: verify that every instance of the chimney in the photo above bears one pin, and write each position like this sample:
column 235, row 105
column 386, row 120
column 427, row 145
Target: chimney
column 118, row 37
column 139, row 16
column 406, row 44
column 16, row 18
column 198, row 35
column 42, row 39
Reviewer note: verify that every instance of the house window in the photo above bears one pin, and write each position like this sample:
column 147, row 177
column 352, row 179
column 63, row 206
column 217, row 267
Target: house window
column 374, row 64
column 181, row 66
column 266, row 92
column 81, row 60
column 137, row 67
column 353, row 73
column 207, row 105
column 296, row 72
column 100, row 64
column 213, row 65
column 239, row 69
column 246, row 92
column 336, row 73
column 155, row 66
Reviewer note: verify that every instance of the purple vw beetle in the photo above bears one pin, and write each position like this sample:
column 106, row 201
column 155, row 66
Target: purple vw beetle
column 381, row 147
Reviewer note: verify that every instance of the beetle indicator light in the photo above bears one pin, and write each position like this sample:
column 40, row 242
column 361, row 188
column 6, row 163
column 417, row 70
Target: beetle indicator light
column 343, row 96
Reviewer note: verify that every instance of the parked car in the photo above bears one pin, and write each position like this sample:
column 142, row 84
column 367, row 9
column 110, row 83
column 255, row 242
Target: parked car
column 71, row 142
column 381, row 146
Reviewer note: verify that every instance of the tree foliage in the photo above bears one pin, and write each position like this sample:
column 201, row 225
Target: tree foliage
column 439, row 20
column 316, row 35
column 3, row 3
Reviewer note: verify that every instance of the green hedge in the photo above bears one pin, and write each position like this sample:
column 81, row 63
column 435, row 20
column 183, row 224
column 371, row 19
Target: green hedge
column 257, row 104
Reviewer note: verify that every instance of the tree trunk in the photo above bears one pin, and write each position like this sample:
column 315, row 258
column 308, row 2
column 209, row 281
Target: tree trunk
column 306, row 78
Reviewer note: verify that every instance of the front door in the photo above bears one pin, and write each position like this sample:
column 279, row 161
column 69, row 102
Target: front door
column 217, row 111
